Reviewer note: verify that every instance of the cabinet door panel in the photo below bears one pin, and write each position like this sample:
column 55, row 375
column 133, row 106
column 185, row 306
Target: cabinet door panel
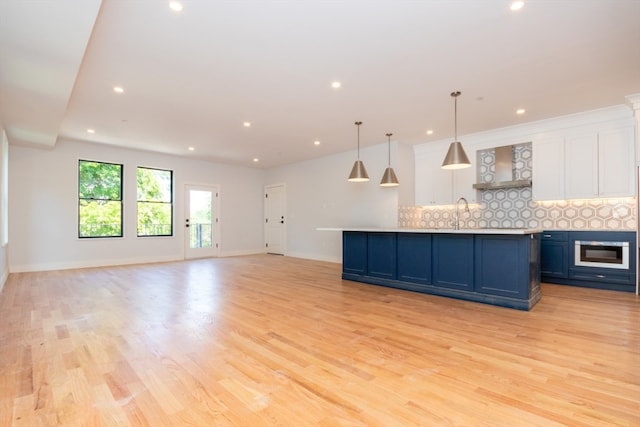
column 554, row 259
column 548, row 169
column 354, row 252
column 414, row 258
column 381, row 256
column 433, row 185
column 615, row 161
column 581, row 159
column 453, row 261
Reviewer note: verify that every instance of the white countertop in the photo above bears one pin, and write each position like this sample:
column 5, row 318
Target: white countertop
column 437, row 230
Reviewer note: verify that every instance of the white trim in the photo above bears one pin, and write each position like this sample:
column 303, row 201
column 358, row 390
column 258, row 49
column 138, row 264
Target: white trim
column 286, row 217
column 315, row 257
column 243, row 252
column 91, row 264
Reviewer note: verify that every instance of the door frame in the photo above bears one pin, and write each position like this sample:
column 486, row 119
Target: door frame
column 215, row 219
column 266, row 211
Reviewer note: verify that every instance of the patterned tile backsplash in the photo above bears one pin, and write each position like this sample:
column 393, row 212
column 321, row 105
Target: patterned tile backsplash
column 514, row 207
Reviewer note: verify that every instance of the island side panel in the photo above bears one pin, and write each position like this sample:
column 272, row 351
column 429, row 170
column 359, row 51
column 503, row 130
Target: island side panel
column 502, row 265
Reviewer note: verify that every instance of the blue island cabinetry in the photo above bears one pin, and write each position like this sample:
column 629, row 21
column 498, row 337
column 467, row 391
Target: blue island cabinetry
column 498, row 269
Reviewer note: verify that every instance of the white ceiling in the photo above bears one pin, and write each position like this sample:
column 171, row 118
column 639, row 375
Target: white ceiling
column 192, row 78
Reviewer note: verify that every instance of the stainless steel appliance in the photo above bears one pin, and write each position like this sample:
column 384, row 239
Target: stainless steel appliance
column 602, row 254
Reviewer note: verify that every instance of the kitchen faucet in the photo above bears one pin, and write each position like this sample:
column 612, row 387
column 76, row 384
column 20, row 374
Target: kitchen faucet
column 456, row 216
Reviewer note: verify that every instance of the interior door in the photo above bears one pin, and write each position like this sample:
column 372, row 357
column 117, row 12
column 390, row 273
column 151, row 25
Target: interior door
column 275, row 225
column 201, row 221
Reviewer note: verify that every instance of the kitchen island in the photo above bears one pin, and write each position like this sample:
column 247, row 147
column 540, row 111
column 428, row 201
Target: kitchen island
column 492, row 266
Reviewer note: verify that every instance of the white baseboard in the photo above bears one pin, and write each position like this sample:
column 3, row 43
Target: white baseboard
column 129, row 261
column 241, row 253
column 3, row 279
column 89, row 264
column 315, row 257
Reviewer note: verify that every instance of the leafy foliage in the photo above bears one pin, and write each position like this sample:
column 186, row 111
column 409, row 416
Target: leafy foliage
column 100, row 181
column 155, row 208
column 100, row 199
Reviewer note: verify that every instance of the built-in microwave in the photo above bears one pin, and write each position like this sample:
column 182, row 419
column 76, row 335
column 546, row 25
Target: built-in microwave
column 602, row 254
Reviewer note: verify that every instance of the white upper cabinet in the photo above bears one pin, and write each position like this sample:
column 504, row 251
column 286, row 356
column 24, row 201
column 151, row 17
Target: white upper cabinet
column 548, row 169
column 584, row 165
column 436, row 186
column 433, row 184
column 581, row 162
column 615, row 163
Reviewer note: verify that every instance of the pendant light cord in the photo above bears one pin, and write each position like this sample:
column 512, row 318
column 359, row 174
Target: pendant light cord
column 358, row 124
column 389, row 148
column 455, row 119
column 455, row 114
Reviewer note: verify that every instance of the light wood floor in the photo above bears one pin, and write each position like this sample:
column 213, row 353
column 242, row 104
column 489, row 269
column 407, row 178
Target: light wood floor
column 267, row 340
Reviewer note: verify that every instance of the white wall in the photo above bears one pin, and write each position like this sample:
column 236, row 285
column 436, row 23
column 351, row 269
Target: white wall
column 4, row 266
column 319, row 195
column 43, row 208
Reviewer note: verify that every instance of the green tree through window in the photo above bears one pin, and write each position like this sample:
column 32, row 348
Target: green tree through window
column 155, row 202
column 99, row 199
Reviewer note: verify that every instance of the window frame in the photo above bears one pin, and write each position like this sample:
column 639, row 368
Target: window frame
column 170, row 202
column 121, row 200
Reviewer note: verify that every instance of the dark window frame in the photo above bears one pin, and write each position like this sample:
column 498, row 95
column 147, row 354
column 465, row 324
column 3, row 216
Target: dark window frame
column 90, row 199
column 170, row 203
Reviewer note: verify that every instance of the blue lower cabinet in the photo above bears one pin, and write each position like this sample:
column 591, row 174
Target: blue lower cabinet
column 453, row 261
column 414, row 258
column 559, row 264
column 501, row 265
column 381, row 255
column 354, row 252
column 554, row 255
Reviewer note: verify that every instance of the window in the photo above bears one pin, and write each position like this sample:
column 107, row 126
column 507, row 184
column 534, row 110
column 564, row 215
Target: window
column 99, row 199
column 155, row 202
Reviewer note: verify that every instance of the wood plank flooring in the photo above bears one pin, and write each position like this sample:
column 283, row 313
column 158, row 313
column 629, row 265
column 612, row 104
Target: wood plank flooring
column 277, row 341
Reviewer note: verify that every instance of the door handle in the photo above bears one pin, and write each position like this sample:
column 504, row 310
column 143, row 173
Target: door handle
column 282, row 219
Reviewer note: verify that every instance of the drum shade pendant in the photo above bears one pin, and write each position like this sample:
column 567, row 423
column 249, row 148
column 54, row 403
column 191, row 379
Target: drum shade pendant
column 389, row 179
column 456, row 158
column 358, row 172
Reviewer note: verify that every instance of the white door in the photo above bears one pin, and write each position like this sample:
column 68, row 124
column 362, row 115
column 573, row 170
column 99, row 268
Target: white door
column 275, row 221
column 201, row 221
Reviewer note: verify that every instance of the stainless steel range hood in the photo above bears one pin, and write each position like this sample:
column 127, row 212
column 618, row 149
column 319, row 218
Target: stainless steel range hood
column 504, row 172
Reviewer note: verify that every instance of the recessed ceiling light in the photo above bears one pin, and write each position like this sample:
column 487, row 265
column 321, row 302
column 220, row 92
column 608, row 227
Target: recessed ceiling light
column 429, row 132
column 91, row 131
column 256, row 160
column 521, row 111
column 191, row 149
column 316, row 142
column 176, row 6
column 336, row 85
column 516, row 5
column 246, row 124
column 118, row 89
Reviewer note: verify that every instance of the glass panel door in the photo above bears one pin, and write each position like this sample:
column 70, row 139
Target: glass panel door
column 201, row 222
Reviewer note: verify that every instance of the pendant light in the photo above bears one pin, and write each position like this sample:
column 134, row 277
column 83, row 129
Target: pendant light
column 358, row 172
column 389, row 179
column 456, row 158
